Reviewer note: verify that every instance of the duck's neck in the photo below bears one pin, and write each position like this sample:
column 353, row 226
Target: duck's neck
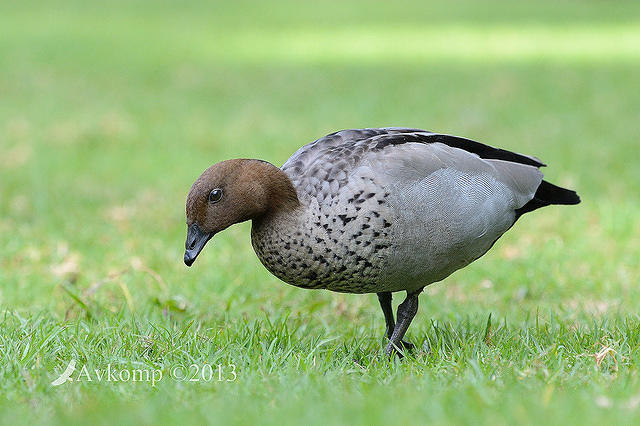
column 276, row 231
column 280, row 196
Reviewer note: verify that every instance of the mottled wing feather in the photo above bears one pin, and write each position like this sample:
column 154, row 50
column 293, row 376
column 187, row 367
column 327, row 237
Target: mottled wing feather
column 313, row 150
column 319, row 168
column 326, row 163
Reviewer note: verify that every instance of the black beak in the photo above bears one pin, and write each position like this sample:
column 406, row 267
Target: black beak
column 196, row 239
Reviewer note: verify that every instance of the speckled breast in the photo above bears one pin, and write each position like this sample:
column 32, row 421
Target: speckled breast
column 342, row 243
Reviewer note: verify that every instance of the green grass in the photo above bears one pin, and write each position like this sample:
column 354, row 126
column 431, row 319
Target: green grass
column 108, row 112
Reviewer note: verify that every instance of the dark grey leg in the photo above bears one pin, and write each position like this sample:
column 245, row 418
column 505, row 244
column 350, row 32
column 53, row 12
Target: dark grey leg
column 387, row 310
column 406, row 311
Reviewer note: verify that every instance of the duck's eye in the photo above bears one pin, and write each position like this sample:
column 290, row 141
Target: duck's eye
column 215, row 195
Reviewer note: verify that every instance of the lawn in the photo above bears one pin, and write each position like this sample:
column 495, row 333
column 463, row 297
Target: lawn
column 109, row 111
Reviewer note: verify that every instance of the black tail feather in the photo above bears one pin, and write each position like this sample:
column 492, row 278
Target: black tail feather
column 547, row 194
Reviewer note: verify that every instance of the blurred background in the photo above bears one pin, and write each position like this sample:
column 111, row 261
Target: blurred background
column 110, row 110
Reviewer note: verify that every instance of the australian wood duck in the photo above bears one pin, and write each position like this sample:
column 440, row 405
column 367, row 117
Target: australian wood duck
column 372, row 211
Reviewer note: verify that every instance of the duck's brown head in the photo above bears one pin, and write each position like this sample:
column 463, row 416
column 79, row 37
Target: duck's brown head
column 231, row 192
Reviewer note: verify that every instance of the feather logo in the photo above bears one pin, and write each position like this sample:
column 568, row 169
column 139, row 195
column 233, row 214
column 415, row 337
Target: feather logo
column 66, row 374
